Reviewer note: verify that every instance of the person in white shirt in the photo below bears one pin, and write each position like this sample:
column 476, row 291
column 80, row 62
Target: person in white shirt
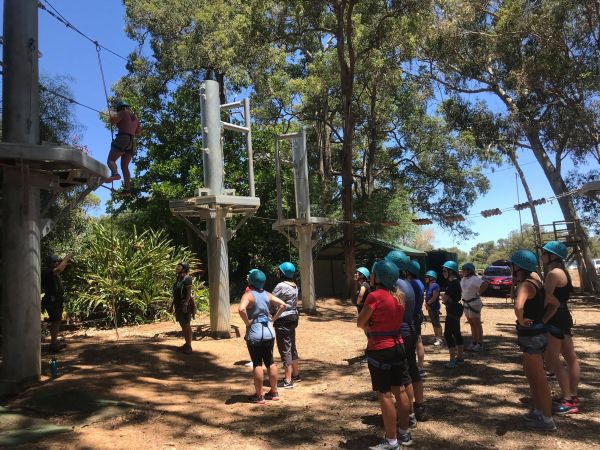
column 472, row 287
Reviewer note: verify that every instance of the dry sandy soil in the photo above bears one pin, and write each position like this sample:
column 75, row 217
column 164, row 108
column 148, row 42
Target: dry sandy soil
column 138, row 392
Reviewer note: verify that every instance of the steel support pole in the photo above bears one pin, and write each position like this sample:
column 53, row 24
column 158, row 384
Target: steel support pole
column 20, row 203
column 216, row 237
column 248, row 124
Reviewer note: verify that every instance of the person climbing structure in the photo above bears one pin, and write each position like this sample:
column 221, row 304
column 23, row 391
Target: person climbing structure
column 123, row 145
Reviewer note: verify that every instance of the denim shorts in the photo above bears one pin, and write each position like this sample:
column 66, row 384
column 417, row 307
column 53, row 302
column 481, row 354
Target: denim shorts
column 533, row 345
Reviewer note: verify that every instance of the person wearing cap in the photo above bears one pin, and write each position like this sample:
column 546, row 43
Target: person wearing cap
column 381, row 317
column 530, row 304
column 285, row 326
column 362, row 276
column 123, row 145
column 472, row 287
column 254, row 310
column 558, row 320
column 432, row 304
column 412, row 275
column 53, row 300
column 183, row 304
column 454, row 310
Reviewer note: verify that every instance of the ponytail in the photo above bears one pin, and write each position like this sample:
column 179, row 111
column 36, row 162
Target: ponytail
column 399, row 296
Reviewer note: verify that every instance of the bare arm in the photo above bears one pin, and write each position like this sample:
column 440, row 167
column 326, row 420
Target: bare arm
column 361, row 294
column 446, row 298
column 483, row 287
column 434, row 297
column 524, row 292
column 551, row 303
column 244, row 303
column 63, row 264
column 364, row 317
column 280, row 303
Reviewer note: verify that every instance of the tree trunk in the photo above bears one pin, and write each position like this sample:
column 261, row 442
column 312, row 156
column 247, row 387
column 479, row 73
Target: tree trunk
column 372, row 148
column 344, row 32
column 589, row 281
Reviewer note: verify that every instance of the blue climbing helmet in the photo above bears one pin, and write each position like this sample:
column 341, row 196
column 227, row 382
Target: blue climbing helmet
column 451, row 265
column 414, row 268
column 257, row 278
column 386, row 272
column 288, row 269
column 399, row 258
column 556, row 248
column 468, row 266
column 431, row 274
column 524, row 259
column 364, row 272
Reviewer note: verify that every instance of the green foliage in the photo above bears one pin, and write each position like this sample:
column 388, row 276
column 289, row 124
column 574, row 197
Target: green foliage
column 125, row 275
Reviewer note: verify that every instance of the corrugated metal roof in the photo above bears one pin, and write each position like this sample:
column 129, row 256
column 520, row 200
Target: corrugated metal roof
column 362, row 245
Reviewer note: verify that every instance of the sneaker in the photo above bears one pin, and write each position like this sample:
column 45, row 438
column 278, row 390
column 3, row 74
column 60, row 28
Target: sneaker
column 542, row 425
column 477, row 348
column 258, row 399
column 412, row 420
column 437, row 342
column 187, row 349
column 564, row 407
column 272, row 395
column 422, row 373
column 420, row 413
column 285, row 384
column 460, row 361
column 575, row 400
column 451, row 364
column 296, row 378
column 385, row 445
column 470, row 347
column 532, row 415
column 405, row 439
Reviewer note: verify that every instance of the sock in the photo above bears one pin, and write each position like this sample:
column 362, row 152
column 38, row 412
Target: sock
column 392, row 442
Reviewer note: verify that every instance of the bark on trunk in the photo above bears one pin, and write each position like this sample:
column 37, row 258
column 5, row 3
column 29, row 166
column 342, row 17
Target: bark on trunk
column 589, row 280
column 372, row 140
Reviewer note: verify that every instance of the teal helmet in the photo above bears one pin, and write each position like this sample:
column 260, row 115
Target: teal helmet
column 451, row 265
column 185, row 267
column 257, row 278
column 364, row 272
column 431, row 274
column 468, row 266
column 525, row 259
column 288, row 269
column 414, row 268
column 386, row 272
column 399, row 258
column 556, row 248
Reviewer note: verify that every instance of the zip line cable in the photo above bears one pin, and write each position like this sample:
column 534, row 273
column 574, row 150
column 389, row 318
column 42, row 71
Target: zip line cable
column 69, row 99
column 62, row 19
column 98, row 49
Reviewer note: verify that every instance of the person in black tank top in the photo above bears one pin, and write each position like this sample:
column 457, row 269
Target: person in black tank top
column 532, row 337
column 559, row 323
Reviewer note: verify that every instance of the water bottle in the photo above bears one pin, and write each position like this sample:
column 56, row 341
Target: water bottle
column 53, row 368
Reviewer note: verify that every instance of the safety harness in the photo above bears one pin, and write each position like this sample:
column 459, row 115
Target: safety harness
column 471, row 307
column 378, row 364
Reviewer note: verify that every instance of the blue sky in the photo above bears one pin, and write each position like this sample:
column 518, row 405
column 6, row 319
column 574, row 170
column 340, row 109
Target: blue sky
column 64, row 52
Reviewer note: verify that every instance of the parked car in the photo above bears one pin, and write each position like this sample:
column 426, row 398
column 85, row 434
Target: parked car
column 499, row 280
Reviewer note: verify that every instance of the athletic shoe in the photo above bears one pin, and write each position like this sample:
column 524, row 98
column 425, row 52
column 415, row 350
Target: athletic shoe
column 542, row 425
column 285, row 384
column 420, row 413
column 470, row 346
column 460, row 361
column 412, row 420
column 272, row 395
column 258, row 399
column 575, row 400
column 385, row 445
column 477, row 348
column 405, row 439
column 437, row 342
column 564, row 407
column 296, row 378
column 452, row 364
column 532, row 415
column 422, row 373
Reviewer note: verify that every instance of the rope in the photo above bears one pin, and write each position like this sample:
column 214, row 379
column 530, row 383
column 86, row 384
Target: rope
column 98, row 49
column 69, row 99
column 110, row 265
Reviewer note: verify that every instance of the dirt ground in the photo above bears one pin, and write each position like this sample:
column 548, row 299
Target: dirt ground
column 138, row 392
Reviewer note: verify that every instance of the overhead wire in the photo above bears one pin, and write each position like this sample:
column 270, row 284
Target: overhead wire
column 62, row 19
column 69, row 99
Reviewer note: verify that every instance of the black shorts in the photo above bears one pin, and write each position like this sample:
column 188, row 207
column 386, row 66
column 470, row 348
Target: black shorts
column 261, row 353
column 184, row 318
column 410, row 346
column 123, row 143
column 54, row 307
column 383, row 378
column 560, row 324
column 418, row 324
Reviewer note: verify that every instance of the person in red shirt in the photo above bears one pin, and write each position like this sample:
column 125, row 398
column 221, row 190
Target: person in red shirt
column 123, row 145
column 381, row 317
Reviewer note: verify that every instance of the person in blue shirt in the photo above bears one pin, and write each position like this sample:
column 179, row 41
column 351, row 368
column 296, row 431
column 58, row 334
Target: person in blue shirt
column 412, row 275
column 432, row 304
